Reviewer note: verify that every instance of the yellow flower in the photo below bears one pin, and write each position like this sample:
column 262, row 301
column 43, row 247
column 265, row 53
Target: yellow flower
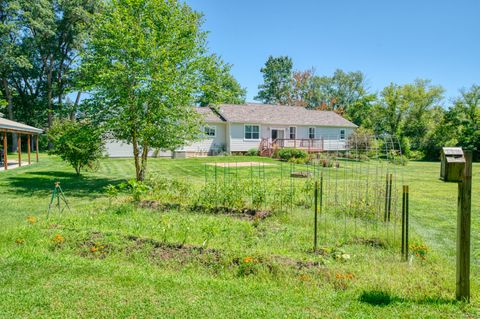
column 31, row 219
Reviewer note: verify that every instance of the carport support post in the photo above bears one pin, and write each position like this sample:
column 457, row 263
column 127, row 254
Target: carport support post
column 19, row 149
column 463, row 230
column 5, row 160
column 36, row 147
column 28, row 148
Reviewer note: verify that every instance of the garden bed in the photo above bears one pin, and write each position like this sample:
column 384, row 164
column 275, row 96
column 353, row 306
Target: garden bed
column 242, row 213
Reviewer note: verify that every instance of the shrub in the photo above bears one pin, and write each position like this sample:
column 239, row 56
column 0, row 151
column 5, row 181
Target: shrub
column 136, row 188
column 252, row 152
column 296, row 160
column 78, row 143
column 288, row 153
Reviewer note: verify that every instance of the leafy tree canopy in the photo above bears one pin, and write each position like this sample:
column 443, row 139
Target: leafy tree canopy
column 147, row 61
column 78, row 143
column 277, row 79
column 219, row 86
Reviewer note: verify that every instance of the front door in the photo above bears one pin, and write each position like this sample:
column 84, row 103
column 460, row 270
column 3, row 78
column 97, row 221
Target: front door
column 274, row 135
column 277, row 134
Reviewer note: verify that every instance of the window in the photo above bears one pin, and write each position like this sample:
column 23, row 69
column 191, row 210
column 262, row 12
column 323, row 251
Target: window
column 293, row 132
column 209, row 130
column 252, row 132
column 342, row 134
column 311, row 132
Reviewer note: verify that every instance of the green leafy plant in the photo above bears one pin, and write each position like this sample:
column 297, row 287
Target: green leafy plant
column 78, row 143
column 135, row 188
column 286, row 154
column 252, row 152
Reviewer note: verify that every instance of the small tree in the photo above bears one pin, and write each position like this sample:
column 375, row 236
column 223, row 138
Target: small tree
column 78, row 143
column 146, row 62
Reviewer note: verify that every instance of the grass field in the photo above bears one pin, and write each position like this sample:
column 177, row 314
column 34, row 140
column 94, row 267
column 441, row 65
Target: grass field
column 107, row 259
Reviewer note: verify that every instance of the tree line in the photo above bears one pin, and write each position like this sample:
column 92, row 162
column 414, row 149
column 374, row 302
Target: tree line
column 417, row 113
column 43, row 49
column 129, row 70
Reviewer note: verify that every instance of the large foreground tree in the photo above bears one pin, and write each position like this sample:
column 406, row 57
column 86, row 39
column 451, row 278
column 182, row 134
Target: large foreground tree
column 146, row 62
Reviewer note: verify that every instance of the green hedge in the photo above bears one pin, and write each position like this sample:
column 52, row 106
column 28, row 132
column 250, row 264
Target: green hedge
column 288, row 153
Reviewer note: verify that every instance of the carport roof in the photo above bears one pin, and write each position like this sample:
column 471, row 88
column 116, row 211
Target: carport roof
column 12, row 126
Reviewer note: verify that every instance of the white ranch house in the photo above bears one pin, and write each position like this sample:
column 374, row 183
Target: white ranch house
column 239, row 128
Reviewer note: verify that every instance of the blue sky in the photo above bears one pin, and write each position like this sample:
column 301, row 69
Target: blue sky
column 389, row 41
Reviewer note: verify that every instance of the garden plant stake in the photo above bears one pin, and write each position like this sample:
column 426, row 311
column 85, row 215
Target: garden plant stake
column 59, row 196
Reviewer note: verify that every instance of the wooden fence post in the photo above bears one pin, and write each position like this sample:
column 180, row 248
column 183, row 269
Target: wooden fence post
column 463, row 230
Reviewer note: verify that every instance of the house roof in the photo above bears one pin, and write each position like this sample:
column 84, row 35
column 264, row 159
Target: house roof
column 18, row 127
column 276, row 114
column 210, row 115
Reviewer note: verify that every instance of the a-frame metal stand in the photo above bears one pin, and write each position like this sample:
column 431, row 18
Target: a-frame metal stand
column 57, row 197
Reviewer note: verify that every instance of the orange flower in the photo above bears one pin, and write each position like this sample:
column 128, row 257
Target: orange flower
column 248, row 259
column 93, row 249
column 58, row 239
column 347, row 275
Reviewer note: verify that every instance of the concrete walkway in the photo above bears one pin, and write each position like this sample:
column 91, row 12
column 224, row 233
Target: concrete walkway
column 13, row 165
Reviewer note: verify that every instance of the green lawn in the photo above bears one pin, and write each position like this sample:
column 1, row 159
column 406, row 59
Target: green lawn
column 111, row 259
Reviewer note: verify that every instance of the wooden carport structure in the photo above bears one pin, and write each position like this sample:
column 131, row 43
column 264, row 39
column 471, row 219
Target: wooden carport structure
column 8, row 126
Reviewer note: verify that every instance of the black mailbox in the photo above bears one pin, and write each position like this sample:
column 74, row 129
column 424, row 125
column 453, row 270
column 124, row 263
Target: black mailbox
column 453, row 164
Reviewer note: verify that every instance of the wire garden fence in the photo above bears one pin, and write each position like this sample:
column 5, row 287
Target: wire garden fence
column 359, row 188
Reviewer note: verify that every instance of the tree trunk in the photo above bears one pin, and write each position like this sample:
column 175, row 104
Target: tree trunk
column 49, row 102
column 143, row 164
column 75, row 106
column 9, row 97
column 8, row 94
column 135, row 156
column 49, row 98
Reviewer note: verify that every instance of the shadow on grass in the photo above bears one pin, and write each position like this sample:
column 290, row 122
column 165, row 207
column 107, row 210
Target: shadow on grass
column 72, row 184
column 381, row 299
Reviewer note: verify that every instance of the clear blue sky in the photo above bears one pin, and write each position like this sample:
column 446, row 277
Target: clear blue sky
column 389, row 41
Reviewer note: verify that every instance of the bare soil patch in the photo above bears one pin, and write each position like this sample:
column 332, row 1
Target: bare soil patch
column 244, row 213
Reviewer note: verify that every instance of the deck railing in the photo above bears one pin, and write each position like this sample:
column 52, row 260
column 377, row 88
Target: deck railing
column 308, row 144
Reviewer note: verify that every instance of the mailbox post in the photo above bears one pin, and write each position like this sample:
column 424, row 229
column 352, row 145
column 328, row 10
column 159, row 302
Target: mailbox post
column 457, row 167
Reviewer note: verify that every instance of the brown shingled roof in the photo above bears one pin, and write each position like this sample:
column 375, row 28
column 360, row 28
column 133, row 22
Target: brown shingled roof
column 280, row 115
column 210, row 115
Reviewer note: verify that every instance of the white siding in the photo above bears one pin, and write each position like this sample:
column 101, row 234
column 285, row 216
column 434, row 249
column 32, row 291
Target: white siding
column 331, row 136
column 213, row 144
column 237, row 138
column 237, row 142
column 120, row 149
